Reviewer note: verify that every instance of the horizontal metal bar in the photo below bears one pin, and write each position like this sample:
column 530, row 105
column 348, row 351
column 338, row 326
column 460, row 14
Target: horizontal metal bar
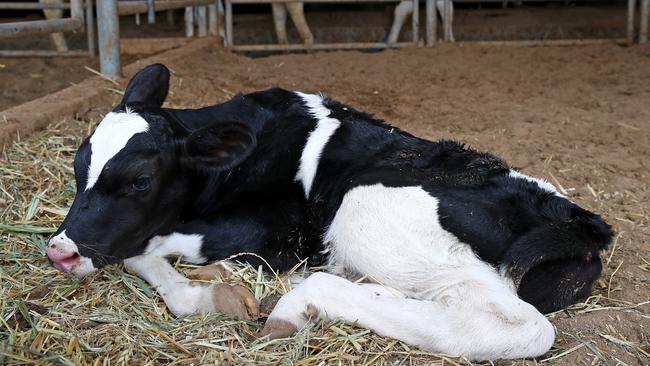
column 550, row 42
column 33, row 6
column 529, row 1
column 320, row 46
column 140, row 7
column 42, row 53
column 311, row 1
column 21, row 29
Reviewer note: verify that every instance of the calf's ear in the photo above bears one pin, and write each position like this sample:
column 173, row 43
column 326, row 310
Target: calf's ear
column 219, row 147
column 148, row 87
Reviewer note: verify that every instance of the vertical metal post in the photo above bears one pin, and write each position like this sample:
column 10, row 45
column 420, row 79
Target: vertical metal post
column 151, row 12
column 229, row 36
column 108, row 24
column 202, row 14
column 431, row 23
column 213, row 20
column 90, row 28
column 446, row 20
column 189, row 22
column 416, row 19
column 631, row 7
column 643, row 26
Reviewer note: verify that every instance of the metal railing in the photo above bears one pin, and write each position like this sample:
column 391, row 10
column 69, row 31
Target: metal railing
column 74, row 23
column 108, row 12
column 33, row 27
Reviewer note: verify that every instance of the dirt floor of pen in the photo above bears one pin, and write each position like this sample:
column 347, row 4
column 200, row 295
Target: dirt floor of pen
column 576, row 116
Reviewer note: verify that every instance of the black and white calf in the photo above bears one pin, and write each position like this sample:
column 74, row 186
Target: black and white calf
column 465, row 253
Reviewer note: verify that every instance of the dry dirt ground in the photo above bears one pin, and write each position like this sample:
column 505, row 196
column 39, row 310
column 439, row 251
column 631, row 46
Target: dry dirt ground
column 578, row 117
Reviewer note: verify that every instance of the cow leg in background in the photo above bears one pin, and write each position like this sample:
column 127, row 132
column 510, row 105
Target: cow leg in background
column 500, row 326
column 297, row 13
column 280, row 22
column 448, row 16
column 402, row 11
column 184, row 297
column 57, row 39
column 405, row 8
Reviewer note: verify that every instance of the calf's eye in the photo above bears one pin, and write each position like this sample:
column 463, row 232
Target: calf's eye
column 142, row 184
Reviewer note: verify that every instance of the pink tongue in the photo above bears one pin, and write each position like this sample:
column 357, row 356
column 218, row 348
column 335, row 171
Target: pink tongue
column 67, row 264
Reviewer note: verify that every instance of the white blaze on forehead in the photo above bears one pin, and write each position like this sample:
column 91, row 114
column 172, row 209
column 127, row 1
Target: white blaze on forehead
column 316, row 141
column 110, row 137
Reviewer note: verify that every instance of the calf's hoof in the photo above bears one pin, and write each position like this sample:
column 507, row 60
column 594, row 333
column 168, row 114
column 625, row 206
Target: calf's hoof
column 211, row 271
column 235, row 299
column 278, row 328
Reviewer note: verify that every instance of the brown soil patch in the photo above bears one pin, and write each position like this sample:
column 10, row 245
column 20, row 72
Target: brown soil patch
column 25, row 79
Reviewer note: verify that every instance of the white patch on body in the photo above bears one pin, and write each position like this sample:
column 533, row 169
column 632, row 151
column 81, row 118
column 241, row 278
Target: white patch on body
column 456, row 303
column 109, row 138
column 64, row 244
column 541, row 183
column 318, row 138
column 186, row 245
column 394, row 235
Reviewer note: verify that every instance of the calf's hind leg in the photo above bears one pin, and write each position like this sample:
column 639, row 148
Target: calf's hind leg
column 481, row 325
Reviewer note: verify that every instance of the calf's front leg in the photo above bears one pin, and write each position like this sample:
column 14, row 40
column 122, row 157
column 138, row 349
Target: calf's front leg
column 184, row 297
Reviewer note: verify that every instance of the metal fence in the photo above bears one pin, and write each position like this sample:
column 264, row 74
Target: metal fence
column 108, row 12
column 74, row 23
column 108, row 35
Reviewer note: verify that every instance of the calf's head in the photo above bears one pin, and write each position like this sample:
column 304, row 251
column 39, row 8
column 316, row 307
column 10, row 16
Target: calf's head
column 134, row 173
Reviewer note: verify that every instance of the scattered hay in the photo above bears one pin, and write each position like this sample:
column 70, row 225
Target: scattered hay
column 112, row 317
